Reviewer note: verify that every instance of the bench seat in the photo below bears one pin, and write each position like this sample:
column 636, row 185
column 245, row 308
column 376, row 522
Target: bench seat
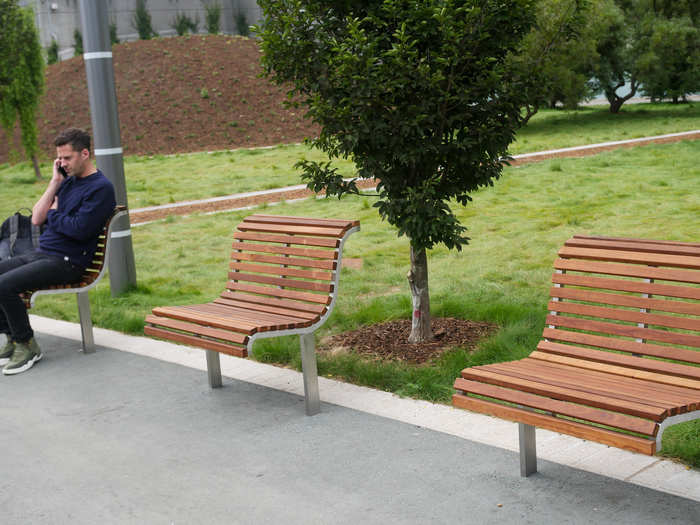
column 283, row 279
column 618, row 360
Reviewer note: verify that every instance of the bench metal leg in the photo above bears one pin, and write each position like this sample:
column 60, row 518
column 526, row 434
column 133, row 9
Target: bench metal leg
column 528, row 449
column 85, row 322
column 214, row 369
column 308, row 365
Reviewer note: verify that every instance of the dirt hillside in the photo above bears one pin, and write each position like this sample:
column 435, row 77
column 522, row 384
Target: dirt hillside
column 178, row 94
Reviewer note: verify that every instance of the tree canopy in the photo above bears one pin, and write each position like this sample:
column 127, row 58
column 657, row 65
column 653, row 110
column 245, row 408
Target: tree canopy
column 21, row 74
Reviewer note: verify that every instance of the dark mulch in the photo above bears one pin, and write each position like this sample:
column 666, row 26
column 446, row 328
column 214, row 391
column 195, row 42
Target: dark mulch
column 388, row 341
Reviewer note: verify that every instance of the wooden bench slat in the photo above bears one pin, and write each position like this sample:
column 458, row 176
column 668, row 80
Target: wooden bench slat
column 282, row 261
column 625, row 394
column 287, row 239
column 284, row 250
column 640, row 363
column 636, row 246
column 633, row 316
column 196, row 341
column 289, row 304
column 573, row 428
column 296, row 230
column 566, row 394
column 281, row 281
column 636, row 390
column 668, row 290
column 557, row 407
column 307, row 221
column 280, row 271
column 262, row 321
column 663, row 305
column 652, row 259
column 646, row 241
column 624, row 345
column 619, row 370
column 625, row 330
column 193, row 328
column 278, row 292
column 183, row 314
column 628, row 270
column 267, row 309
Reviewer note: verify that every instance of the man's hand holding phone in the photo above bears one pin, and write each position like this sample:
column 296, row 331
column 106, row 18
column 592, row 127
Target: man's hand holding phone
column 61, row 170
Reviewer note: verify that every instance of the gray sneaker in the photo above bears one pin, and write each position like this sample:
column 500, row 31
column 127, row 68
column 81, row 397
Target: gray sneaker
column 23, row 358
column 6, row 352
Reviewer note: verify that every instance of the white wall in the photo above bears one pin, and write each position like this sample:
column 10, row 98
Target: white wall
column 58, row 19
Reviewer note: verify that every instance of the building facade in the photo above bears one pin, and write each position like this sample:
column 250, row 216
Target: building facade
column 58, row 19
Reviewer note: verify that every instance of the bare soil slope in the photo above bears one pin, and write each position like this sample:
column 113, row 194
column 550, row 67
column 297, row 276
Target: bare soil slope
column 177, row 94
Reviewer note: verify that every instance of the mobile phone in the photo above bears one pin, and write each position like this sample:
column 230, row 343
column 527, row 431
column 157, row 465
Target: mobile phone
column 62, row 171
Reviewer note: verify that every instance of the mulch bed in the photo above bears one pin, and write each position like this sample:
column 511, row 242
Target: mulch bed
column 388, row 341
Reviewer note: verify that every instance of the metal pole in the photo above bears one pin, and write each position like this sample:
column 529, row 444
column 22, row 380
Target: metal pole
column 105, row 131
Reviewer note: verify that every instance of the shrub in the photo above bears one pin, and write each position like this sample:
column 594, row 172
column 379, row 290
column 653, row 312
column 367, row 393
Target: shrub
column 113, row 38
column 183, row 23
column 78, row 42
column 141, row 21
column 52, row 52
column 242, row 23
column 213, row 18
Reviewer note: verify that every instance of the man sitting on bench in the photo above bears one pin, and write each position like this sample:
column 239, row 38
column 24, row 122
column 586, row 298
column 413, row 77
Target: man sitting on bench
column 76, row 204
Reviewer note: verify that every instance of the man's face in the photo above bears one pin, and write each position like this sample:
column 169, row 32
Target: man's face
column 71, row 160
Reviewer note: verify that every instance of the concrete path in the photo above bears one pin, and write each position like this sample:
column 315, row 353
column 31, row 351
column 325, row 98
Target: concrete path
column 133, row 434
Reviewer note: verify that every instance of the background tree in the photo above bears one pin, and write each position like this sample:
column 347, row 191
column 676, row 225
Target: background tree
column 668, row 56
column 21, row 75
column 554, row 59
column 417, row 92
column 651, row 43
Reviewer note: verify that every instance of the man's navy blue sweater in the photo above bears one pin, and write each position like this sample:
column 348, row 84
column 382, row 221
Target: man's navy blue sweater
column 84, row 205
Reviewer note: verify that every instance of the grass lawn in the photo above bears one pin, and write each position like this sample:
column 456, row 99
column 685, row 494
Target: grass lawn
column 502, row 276
column 164, row 179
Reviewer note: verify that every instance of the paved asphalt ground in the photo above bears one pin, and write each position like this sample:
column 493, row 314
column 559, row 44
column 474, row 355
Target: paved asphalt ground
column 117, row 437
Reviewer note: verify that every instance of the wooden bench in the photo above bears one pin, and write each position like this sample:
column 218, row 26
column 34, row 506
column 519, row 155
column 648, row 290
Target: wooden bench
column 617, row 362
column 91, row 276
column 283, row 280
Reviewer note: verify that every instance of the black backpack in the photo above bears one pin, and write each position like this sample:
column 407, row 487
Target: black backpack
column 18, row 235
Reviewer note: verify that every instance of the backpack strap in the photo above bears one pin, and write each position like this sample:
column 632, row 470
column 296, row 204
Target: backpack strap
column 36, row 233
column 14, row 228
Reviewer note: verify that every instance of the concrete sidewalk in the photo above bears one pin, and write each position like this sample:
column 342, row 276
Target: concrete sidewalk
column 133, row 434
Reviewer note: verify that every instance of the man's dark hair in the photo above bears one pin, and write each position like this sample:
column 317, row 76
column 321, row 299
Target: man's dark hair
column 77, row 138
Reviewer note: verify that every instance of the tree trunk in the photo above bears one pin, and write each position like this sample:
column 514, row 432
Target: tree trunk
column 37, row 171
column 418, row 281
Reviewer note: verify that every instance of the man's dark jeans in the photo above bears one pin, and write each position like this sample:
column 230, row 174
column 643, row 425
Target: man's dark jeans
column 31, row 271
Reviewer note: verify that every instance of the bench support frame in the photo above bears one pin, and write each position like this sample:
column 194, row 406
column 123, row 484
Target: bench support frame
column 528, row 449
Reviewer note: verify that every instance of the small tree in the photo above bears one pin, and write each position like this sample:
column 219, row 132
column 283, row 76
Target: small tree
column 21, row 75
column 141, row 21
column 418, row 93
column 213, row 17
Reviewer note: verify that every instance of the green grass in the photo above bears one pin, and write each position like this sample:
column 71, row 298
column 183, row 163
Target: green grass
column 164, row 179
column 502, row 276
